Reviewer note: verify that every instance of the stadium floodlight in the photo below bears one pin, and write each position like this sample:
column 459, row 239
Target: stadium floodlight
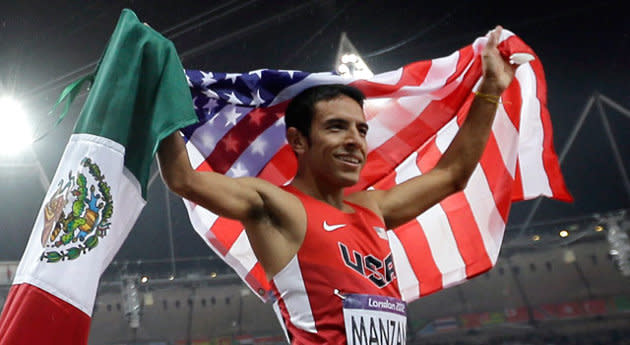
column 349, row 63
column 15, row 132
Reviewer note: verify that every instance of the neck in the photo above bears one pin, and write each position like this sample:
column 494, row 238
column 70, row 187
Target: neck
column 331, row 195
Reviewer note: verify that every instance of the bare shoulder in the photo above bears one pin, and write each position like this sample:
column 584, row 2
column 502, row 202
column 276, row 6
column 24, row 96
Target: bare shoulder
column 277, row 228
column 281, row 208
column 368, row 199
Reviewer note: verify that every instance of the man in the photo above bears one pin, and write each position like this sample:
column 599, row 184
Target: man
column 322, row 249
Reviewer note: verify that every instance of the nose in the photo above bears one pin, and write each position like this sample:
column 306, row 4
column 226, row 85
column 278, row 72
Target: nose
column 353, row 138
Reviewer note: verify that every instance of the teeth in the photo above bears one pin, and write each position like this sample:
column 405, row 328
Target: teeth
column 350, row 160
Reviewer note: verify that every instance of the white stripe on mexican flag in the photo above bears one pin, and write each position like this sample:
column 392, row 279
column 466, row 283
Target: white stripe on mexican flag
column 91, row 178
column 138, row 97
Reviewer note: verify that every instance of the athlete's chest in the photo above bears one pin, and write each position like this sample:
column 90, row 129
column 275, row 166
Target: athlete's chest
column 351, row 243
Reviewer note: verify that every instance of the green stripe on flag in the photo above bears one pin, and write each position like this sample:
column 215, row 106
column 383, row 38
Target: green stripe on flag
column 139, row 95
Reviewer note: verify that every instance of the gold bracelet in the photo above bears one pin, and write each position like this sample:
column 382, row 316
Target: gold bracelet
column 490, row 98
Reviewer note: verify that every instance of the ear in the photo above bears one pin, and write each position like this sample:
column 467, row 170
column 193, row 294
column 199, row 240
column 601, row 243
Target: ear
column 297, row 140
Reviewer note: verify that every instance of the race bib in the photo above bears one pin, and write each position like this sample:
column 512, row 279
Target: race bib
column 377, row 320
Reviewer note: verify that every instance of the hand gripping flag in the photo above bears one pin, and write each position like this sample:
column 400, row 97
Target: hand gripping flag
column 139, row 96
column 413, row 114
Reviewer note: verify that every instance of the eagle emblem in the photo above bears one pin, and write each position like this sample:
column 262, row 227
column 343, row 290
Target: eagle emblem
column 77, row 214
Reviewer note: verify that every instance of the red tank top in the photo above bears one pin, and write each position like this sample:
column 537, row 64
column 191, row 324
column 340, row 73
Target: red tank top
column 342, row 253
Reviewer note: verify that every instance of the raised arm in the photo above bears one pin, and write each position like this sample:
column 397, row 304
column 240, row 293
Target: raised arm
column 274, row 219
column 409, row 199
column 229, row 197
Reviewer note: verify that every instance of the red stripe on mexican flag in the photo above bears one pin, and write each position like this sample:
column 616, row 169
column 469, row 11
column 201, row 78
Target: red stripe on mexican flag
column 138, row 97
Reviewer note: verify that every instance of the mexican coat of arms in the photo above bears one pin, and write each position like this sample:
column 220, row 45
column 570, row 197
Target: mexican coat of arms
column 77, row 214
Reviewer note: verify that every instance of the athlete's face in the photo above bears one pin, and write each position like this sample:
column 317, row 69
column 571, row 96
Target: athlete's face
column 337, row 148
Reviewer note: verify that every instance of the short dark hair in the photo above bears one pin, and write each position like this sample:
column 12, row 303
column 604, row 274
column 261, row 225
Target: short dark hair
column 301, row 109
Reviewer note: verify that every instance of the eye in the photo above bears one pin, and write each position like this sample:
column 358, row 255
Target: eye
column 336, row 126
column 363, row 131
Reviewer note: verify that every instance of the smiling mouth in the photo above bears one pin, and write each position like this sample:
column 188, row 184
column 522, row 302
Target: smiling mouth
column 349, row 159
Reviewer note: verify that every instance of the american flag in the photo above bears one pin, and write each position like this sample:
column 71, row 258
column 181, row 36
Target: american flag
column 413, row 114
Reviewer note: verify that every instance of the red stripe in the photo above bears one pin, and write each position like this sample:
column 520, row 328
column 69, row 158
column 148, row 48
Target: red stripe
column 412, row 74
column 257, row 279
column 467, row 234
column 461, row 220
column 496, row 173
column 33, row 316
column 242, row 135
column 281, row 167
column 204, row 166
column 550, row 159
column 514, row 44
column 386, row 157
column 512, row 103
column 226, row 233
column 517, row 188
column 466, row 55
column 498, row 177
column 386, row 182
column 416, row 246
column 418, row 252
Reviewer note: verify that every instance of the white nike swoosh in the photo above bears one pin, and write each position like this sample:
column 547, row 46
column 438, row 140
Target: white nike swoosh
column 333, row 227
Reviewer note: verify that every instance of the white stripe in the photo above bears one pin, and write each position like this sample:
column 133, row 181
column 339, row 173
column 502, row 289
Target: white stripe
column 484, row 210
column 407, row 169
column 388, row 78
column 479, row 198
column 76, row 281
column 445, row 135
column 388, row 121
column 194, row 156
column 480, row 42
column 438, row 230
column 253, row 162
column 534, row 178
column 443, row 246
column 203, row 139
column 378, row 134
column 441, row 69
column 202, row 221
column 200, row 218
column 414, row 105
column 408, row 284
column 312, row 79
column 507, row 140
column 434, row 85
column 241, row 255
column 414, row 99
column 290, row 285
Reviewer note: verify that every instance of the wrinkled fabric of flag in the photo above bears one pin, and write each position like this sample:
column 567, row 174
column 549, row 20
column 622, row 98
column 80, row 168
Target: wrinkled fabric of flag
column 138, row 97
column 413, row 114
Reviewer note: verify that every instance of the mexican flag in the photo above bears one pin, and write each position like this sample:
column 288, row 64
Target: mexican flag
column 139, row 96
